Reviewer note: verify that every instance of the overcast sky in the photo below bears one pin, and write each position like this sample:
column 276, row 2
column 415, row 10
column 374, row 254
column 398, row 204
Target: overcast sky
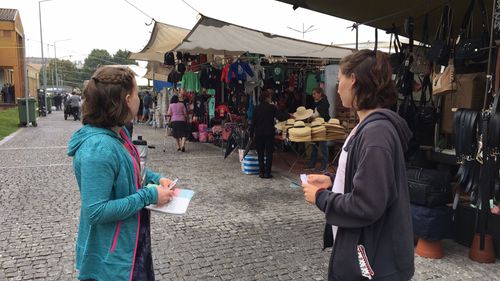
column 115, row 24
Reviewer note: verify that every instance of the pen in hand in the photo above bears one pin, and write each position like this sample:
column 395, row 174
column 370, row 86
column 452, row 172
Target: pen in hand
column 172, row 184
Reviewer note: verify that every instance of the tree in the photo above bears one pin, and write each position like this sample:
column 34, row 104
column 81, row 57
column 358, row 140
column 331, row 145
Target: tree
column 121, row 57
column 96, row 58
column 67, row 72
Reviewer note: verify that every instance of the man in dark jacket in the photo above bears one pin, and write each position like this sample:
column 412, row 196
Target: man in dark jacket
column 322, row 110
column 262, row 130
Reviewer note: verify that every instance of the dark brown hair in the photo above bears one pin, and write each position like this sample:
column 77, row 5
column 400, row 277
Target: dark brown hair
column 105, row 105
column 374, row 86
column 265, row 95
column 319, row 91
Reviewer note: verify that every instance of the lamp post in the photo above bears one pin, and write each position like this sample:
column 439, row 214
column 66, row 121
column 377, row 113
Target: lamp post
column 55, row 56
column 44, row 66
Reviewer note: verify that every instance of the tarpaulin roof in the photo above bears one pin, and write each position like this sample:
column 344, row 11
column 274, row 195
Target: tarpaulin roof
column 164, row 37
column 384, row 13
column 211, row 36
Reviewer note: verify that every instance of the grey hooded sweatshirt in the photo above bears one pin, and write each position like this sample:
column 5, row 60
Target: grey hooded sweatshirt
column 375, row 209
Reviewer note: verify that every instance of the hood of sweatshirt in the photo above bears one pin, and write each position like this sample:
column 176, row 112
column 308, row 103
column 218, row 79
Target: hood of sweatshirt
column 397, row 121
column 80, row 136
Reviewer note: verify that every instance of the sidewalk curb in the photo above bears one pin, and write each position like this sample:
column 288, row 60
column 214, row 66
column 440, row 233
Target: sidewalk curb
column 9, row 137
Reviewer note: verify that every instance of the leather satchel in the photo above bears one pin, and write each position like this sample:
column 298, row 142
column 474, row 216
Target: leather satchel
column 429, row 187
column 444, row 83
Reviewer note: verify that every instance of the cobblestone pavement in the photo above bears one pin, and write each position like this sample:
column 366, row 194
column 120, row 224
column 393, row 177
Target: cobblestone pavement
column 238, row 227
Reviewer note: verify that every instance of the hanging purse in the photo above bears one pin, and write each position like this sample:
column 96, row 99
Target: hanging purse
column 439, row 52
column 421, row 64
column 426, row 115
column 470, row 48
column 444, row 83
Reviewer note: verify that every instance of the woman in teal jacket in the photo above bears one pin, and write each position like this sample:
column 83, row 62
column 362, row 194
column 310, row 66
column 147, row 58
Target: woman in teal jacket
column 113, row 236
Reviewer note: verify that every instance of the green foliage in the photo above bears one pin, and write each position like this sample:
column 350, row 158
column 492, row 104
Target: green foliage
column 74, row 77
column 121, row 57
column 9, row 120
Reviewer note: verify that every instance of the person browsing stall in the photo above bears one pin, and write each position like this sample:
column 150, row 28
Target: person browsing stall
column 262, row 130
column 114, row 240
column 178, row 116
column 322, row 106
column 367, row 207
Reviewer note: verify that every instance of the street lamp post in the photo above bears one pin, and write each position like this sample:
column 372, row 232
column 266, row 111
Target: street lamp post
column 55, row 62
column 44, row 66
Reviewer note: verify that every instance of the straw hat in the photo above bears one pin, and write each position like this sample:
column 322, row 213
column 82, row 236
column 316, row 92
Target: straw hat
column 302, row 113
column 280, row 126
column 334, row 121
column 319, row 119
column 317, row 122
column 290, row 122
column 300, row 132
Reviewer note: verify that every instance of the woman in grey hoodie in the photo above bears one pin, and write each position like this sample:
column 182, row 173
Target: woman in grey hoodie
column 367, row 208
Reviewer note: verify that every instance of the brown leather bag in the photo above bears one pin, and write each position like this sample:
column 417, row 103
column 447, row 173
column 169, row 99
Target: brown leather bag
column 444, row 83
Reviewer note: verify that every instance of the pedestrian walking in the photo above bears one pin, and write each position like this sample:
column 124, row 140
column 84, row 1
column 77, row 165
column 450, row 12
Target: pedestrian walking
column 367, row 208
column 262, row 131
column 147, row 102
column 74, row 102
column 178, row 115
column 114, row 240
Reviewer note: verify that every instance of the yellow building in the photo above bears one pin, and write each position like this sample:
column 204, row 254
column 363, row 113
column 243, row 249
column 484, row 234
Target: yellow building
column 11, row 54
column 33, row 78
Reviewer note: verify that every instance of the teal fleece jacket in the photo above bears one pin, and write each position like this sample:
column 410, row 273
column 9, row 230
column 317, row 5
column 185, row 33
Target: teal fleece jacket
column 110, row 204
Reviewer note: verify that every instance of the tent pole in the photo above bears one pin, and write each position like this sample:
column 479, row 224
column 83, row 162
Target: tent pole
column 357, row 36
column 489, row 76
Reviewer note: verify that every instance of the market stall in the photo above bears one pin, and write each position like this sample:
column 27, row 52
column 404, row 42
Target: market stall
column 456, row 128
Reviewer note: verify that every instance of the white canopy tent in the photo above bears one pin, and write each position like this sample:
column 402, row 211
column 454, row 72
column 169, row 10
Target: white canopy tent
column 211, row 36
column 164, row 37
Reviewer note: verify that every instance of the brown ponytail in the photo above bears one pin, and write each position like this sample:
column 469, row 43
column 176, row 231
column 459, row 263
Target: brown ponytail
column 374, row 87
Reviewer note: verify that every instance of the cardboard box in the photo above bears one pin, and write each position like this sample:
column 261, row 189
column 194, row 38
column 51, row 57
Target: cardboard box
column 470, row 94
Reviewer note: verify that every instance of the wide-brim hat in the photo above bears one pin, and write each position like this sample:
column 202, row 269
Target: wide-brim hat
column 290, row 122
column 280, row 126
column 317, row 122
column 302, row 113
column 300, row 132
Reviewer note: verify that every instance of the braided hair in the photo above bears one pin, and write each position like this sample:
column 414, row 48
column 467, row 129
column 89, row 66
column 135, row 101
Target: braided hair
column 105, row 97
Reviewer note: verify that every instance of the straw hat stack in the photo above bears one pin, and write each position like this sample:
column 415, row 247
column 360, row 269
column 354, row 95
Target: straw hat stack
column 299, row 132
column 318, row 131
column 280, row 126
column 302, row 113
column 334, row 131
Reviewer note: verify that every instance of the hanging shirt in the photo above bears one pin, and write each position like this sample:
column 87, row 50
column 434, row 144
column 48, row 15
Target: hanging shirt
column 211, row 103
column 239, row 69
column 224, row 74
column 210, row 78
column 191, row 82
column 278, row 72
column 311, row 83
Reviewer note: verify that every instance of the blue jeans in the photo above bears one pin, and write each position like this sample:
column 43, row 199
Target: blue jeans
column 323, row 145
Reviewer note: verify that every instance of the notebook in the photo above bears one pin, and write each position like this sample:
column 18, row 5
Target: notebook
column 178, row 205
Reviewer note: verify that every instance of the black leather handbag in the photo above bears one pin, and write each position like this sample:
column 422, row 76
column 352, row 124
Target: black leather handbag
column 472, row 48
column 439, row 52
column 428, row 187
column 426, row 115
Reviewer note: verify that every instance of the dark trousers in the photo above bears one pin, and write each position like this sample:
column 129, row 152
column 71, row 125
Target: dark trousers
column 265, row 147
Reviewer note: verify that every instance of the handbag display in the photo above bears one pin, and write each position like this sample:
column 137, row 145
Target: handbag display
column 471, row 48
column 429, row 187
column 426, row 115
column 439, row 52
column 444, row 83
